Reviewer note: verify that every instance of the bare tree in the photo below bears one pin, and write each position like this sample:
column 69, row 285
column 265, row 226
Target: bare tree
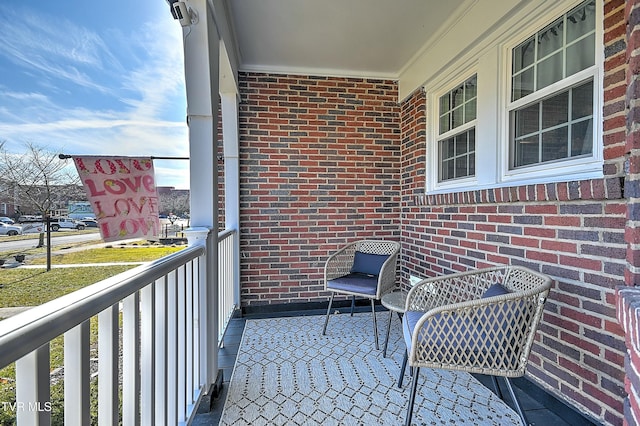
column 39, row 179
column 174, row 202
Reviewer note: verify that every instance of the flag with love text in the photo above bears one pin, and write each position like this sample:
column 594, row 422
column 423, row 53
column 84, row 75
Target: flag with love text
column 122, row 192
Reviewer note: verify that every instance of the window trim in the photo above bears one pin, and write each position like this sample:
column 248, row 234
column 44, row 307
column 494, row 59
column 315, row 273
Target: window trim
column 491, row 62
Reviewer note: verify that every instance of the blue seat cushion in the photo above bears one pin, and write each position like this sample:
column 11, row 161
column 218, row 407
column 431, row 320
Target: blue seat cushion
column 455, row 325
column 367, row 263
column 495, row 290
column 355, row 283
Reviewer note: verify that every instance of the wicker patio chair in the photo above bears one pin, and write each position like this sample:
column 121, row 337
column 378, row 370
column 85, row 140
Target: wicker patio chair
column 364, row 268
column 481, row 321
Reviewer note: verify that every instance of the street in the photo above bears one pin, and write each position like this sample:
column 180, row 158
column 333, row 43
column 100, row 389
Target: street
column 55, row 241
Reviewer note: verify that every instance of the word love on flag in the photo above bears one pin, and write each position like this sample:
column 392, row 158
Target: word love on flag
column 123, row 195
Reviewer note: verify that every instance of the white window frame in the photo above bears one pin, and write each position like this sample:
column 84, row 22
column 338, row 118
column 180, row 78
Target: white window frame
column 435, row 137
column 491, row 62
column 587, row 167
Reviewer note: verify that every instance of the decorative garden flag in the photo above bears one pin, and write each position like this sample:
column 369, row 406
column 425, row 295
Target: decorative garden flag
column 123, row 195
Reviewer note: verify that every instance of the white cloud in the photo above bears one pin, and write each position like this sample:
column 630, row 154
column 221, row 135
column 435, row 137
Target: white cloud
column 137, row 79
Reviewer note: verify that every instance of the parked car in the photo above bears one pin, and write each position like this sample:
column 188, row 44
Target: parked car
column 7, row 220
column 29, row 218
column 6, row 229
column 66, row 222
column 90, row 223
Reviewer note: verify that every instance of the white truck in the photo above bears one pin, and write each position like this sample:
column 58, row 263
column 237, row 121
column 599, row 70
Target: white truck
column 66, row 222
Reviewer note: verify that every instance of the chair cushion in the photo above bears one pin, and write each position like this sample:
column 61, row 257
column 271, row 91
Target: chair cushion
column 456, row 328
column 354, row 283
column 495, row 290
column 367, row 263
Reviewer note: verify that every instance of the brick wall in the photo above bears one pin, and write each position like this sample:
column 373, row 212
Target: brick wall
column 573, row 231
column 319, row 167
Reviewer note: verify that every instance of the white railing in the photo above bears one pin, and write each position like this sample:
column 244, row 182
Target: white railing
column 227, row 279
column 151, row 318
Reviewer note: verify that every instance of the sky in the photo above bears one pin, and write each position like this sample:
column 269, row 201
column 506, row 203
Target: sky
column 95, row 77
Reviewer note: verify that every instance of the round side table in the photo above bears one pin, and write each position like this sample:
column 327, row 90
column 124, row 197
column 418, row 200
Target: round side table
column 394, row 302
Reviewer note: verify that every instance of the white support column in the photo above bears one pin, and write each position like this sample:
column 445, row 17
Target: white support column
column 201, row 56
column 229, row 102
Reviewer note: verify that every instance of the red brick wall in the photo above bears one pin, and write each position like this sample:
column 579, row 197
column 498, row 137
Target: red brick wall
column 573, row 231
column 319, row 167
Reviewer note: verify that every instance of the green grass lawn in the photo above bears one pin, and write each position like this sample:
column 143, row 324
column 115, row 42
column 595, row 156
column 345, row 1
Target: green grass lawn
column 32, row 287
column 106, row 255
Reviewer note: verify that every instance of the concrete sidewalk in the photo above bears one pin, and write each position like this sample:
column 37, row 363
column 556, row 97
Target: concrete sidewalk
column 9, row 312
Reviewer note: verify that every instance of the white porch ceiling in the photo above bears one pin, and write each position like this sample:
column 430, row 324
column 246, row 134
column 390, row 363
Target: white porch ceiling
column 359, row 38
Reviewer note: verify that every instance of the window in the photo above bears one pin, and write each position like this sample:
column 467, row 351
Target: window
column 456, row 140
column 523, row 105
column 551, row 109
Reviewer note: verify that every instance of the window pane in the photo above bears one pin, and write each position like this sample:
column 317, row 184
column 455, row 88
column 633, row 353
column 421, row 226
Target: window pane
column 549, row 71
column 461, row 144
column 555, row 110
column 582, row 138
column 461, row 166
column 444, row 123
column 457, row 117
column 527, row 151
column 581, row 55
column 470, row 89
column 457, row 156
column 524, row 55
column 554, row 144
column 582, row 101
column 581, row 21
column 447, row 149
column 457, row 97
column 445, row 105
column 470, row 111
column 527, row 120
column 522, row 84
column 550, row 39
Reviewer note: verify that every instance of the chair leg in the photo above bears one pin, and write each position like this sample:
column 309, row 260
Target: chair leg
column 496, row 387
column 412, row 396
column 375, row 324
column 516, row 402
column 353, row 304
column 326, row 320
column 403, row 368
column 386, row 340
